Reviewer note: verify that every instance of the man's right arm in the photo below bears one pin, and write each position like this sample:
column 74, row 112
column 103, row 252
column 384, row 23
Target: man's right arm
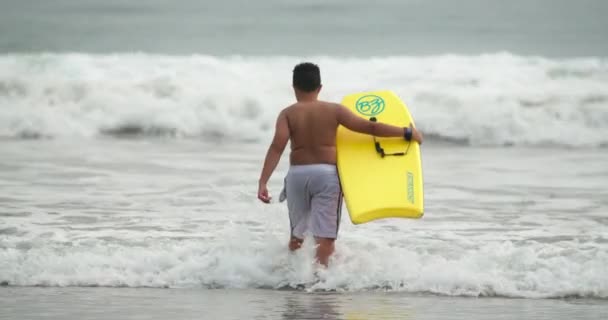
column 355, row 123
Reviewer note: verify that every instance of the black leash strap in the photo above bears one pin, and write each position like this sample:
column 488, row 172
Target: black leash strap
column 380, row 150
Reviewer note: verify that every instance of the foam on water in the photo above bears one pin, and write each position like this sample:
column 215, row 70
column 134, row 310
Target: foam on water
column 236, row 257
column 495, row 99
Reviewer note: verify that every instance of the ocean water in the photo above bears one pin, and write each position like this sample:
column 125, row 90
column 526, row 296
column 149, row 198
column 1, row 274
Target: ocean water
column 132, row 136
column 183, row 214
column 551, row 28
column 137, row 303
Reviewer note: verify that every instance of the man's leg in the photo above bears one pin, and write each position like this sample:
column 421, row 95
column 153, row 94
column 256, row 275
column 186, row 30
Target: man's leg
column 299, row 208
column 325, row 214
column 325, row 248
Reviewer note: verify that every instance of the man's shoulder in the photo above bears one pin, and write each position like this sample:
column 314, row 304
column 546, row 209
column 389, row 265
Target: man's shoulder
column 285, row 111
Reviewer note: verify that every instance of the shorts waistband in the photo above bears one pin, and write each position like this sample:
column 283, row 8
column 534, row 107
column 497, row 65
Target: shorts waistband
column 316, row 167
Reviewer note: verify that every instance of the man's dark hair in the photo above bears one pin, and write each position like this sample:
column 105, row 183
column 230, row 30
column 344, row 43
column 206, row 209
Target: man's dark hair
column 306, row 77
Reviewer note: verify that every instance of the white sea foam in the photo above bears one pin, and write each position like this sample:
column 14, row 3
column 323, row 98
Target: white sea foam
column 497, row 99
column 238, row 259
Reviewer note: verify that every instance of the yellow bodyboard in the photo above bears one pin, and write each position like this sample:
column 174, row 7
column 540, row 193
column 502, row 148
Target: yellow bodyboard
column 377, row 187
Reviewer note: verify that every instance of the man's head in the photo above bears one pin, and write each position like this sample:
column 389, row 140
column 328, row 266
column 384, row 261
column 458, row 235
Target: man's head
column 307, row 77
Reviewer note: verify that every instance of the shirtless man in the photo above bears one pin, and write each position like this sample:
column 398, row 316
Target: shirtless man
column 312, row 186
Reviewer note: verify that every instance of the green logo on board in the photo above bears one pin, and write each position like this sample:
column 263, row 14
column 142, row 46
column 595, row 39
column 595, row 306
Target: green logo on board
column 370, row 105
column 410, row 187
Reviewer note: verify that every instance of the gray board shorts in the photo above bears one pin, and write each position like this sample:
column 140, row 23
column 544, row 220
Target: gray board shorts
column 314, row 200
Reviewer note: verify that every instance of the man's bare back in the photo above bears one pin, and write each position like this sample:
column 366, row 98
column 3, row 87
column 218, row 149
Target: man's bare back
column 312, row 129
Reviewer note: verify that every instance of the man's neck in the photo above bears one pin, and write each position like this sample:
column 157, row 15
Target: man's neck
column 307, row 97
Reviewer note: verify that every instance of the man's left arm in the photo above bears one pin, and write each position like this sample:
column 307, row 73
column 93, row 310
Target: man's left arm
column 281, row 136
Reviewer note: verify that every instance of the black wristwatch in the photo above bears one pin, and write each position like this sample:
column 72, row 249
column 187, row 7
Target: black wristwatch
column 407, row 133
